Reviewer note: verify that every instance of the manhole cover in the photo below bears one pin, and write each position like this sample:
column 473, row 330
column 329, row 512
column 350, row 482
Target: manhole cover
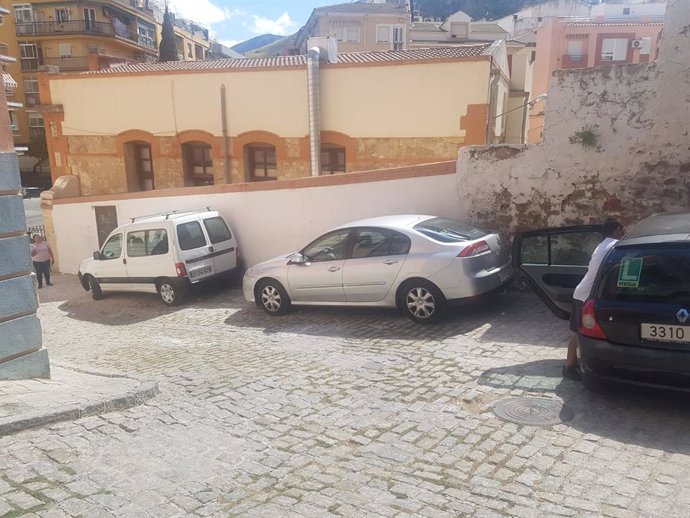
column 537, row 411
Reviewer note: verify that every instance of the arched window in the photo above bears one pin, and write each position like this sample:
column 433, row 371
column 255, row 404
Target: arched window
column 260, row 160
column 332, row 159
column 139, row 166
column 198, row 163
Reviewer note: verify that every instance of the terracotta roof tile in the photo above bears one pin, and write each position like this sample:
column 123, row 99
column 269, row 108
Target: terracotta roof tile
column 614, row 24
column 459, row 51
column 359, row 7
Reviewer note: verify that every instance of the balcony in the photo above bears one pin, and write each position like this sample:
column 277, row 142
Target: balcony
column 68, row 63
column 574, row 61
column 85, row 27
column 71, row 27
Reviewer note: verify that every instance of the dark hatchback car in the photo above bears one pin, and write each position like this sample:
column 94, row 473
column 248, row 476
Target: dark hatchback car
column 635, row 328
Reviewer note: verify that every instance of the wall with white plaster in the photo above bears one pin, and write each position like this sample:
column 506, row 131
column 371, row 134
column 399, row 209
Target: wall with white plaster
column 267, row 223
column 641, row 161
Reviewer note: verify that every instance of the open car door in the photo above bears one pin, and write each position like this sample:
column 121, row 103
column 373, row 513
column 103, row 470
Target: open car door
column 553, row 261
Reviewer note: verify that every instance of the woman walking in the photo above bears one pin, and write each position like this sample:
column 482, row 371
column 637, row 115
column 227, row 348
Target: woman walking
column 42, row 256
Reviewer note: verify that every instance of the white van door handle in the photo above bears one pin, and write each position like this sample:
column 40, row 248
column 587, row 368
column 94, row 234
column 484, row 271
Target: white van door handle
column 124, row 260
column 390, row 261
column 333, row 269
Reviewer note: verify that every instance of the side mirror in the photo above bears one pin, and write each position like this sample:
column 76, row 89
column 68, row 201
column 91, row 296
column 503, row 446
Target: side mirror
column 297, row 259
column 97, row 255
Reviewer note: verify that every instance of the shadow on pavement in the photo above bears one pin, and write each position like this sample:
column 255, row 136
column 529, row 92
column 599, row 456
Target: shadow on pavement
column 118, row 309
column 489, row 319
column 649, row 418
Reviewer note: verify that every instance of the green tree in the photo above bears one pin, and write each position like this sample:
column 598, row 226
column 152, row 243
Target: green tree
column 167, row 51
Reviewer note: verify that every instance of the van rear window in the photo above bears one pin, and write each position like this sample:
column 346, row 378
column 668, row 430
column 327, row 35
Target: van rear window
column 217, row 230
column 190, row 235
column 647, row 274
column 448, row 230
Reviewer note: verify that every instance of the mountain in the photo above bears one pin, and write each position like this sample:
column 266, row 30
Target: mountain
column 256, row 43
column 476, row 9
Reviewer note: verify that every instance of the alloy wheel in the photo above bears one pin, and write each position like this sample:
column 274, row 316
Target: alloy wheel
column 270, row 298
column 420, row 303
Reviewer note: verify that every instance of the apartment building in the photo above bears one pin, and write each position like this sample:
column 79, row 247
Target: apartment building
column 359, row 26
column 74, row 36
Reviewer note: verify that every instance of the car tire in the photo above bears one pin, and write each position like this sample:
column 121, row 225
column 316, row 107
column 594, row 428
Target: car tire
column 272, row 297
column 171, row 293
column 422, row 301
column 95, row 288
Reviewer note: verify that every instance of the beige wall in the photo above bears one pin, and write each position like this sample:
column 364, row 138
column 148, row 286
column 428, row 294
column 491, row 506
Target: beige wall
column 422, row 100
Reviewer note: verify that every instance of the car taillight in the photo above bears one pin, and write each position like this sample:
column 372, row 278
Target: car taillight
column 181, row 270
column 474, row 249
column 589, row 326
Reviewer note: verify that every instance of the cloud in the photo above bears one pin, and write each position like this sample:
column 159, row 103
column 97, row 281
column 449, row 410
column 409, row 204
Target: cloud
column 280, row 26
column 204, row 12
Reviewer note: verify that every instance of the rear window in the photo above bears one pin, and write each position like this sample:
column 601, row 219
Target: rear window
column 190, row 235
column 647, row 275
column 448, row 230
column 217, row 230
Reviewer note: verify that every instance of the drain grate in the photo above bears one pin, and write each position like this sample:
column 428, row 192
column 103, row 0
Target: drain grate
column 536, row 411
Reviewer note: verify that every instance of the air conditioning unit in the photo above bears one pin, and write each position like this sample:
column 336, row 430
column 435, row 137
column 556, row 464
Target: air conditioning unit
column 101, row 51
column 637, row 44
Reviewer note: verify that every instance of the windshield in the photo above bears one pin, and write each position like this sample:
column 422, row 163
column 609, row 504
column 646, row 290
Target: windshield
column 448, row 230
column 647, row 274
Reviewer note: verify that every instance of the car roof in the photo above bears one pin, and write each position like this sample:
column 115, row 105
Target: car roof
column 659, row 228
column 395, row 221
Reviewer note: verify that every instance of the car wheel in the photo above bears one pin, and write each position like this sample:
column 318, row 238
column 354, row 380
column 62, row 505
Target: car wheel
column 273, row 297
column 423, row 302
column 95, row 289
column 171, row 293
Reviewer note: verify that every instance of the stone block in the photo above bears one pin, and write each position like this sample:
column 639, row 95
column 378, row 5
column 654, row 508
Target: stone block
column 17, row 296
column 32, row 365
column 20, row 335
column 14, row 255
column 9, row 172
column 11, row 214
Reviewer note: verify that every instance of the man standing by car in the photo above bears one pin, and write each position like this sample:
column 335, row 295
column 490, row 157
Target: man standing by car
column 613, row 231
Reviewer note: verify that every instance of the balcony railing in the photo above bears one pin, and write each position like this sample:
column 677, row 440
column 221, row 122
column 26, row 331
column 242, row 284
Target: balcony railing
column 84, row 27
column 73, row 27
column 68, row 63
column 574, row 61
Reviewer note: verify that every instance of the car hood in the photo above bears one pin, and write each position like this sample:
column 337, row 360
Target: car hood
column 275, row 262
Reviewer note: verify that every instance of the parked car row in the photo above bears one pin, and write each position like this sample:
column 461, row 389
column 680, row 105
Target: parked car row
column 635, row 327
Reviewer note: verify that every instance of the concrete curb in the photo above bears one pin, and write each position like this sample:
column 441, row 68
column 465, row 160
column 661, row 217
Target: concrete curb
column 130, row 399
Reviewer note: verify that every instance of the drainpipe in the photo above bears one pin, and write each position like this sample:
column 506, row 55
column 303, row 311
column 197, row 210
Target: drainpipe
column 493, row 98
column 226, row 139
column 314, row 94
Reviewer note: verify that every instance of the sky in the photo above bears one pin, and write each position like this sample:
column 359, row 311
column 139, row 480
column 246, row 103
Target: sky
column 233, row 21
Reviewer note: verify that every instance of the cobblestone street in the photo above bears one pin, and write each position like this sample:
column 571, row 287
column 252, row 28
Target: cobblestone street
column 333, row 412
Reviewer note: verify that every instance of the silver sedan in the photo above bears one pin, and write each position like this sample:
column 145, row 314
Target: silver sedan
column 416, row 263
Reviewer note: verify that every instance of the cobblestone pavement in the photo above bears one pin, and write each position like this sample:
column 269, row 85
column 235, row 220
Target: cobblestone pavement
column 330, row 412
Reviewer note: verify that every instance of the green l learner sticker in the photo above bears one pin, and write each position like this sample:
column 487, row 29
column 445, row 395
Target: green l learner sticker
column 630, row 272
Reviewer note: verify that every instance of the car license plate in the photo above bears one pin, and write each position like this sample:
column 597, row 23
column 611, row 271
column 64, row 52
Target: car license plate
column 665, row 333
column 504, row 275
column 200, row 271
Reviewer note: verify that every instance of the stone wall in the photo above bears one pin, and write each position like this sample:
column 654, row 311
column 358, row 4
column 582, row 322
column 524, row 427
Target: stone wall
column 615, row 144
column 100, row 163
column 21, row 353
